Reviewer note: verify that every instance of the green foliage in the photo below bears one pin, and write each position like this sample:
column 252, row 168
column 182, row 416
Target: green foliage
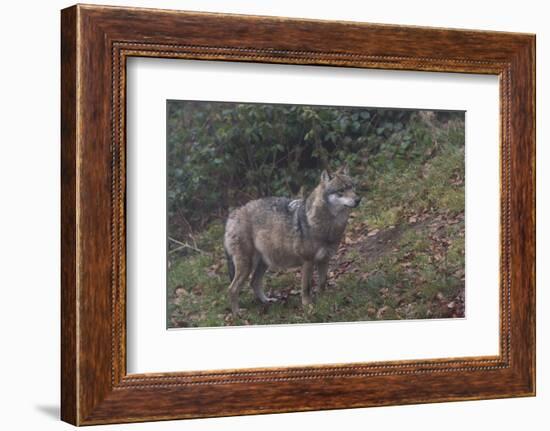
column 431, row 179
column 221, row 155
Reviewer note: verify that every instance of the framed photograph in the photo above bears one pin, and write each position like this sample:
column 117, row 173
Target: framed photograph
column 322, row 214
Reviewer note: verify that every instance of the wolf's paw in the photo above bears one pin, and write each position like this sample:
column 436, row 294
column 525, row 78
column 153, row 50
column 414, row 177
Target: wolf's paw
column 307, row 301
column 266, row 300
column 308, row 308
column 238, row 313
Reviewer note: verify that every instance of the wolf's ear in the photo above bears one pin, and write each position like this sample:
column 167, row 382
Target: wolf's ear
column 343, row 169
column 325, row 177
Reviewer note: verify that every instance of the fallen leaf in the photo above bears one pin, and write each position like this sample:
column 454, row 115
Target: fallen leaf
column 180, row 291
column 381, row 312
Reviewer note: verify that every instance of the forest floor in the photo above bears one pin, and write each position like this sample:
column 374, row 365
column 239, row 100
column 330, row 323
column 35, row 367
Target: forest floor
column 402, row 272
column 402, row 257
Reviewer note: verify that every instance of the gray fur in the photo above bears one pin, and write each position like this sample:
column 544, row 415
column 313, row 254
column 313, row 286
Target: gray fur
column 230, row 266
column 278, row 233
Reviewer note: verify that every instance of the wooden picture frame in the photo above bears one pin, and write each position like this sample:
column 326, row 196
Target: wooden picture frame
column 95, row 43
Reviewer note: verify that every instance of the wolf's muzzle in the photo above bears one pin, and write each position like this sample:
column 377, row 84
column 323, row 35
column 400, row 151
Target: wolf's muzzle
column 355, row 204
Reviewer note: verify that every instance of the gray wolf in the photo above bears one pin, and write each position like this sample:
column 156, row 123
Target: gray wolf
column 278, row 233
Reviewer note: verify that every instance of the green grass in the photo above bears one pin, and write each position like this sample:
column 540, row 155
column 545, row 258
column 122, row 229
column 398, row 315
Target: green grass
column 412, row 267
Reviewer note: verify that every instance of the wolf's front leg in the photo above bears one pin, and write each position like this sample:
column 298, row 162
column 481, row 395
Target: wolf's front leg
column 322, row 270
column 307, row 274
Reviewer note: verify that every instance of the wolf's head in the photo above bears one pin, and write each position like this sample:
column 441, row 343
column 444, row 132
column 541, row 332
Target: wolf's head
column 339, row 190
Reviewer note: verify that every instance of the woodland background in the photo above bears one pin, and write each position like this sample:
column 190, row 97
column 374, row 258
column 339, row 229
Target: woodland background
column 403, row 253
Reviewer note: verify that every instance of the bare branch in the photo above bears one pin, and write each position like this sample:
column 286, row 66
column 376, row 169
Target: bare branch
column 183, row 245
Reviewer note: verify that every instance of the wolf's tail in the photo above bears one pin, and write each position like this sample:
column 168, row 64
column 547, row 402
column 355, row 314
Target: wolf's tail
column 230, row 265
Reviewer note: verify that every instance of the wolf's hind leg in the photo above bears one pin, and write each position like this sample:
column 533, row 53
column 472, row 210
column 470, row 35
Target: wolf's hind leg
column 307, row 274
column 243, row 268
column 256, row 282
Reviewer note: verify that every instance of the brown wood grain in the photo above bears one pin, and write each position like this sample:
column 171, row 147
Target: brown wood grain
column 69, row 367
column 96, row 41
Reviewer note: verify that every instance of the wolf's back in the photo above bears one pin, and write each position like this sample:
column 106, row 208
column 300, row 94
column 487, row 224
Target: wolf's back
column 273, row 219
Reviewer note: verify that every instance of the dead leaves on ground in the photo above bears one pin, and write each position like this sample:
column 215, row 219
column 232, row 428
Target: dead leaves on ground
column 361, row 247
